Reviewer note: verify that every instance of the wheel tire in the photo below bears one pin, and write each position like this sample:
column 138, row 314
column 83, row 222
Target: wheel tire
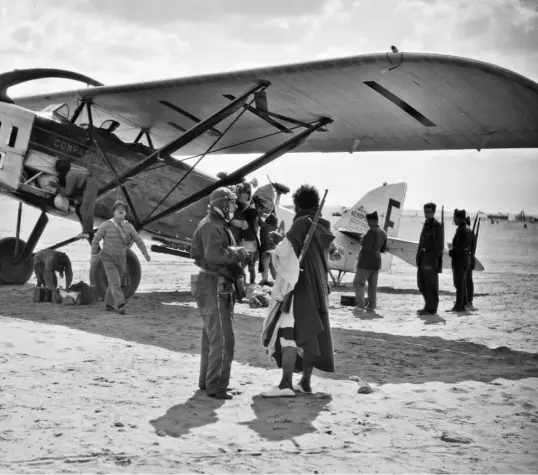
column 14, row 274
column 134, row 271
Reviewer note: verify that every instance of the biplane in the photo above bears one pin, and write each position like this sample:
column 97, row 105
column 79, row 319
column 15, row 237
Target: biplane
column 144, row 140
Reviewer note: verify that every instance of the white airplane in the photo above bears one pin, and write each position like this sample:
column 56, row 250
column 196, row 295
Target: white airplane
column 388, row 201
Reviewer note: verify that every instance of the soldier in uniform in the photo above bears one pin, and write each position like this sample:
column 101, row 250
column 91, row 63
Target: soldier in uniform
column 369, row 263
column 470, row 283
column 220, row 262
column 461, row 258
column 430, row 249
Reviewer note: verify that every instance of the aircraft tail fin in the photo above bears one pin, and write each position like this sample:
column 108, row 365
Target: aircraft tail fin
column 388, row 201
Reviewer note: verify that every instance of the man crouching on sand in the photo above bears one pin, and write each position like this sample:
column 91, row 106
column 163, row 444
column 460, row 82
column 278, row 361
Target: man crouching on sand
column 220, row 262
column 300, row 337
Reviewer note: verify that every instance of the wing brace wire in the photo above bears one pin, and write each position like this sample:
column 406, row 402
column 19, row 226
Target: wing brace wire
column 215, row 142
column 237, row 175
column 186, row 137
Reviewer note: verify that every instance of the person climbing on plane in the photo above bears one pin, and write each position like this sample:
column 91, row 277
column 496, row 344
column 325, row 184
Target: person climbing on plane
column 78, row 183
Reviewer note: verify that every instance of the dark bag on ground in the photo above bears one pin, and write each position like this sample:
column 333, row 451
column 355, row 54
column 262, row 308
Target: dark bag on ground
column 85, row 293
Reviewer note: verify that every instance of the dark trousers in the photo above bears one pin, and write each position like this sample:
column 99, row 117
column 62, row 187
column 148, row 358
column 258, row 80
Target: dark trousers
column 86, row 209
column 45, row 279
column 428, row 285
column 251, row 264
column 460, row 282
column 470, row 287
column 216, row 303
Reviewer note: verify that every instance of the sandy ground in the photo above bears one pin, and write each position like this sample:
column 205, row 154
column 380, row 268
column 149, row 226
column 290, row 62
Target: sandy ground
column 82, row 390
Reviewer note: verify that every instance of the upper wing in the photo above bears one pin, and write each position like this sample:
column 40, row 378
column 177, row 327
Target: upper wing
column 379, row 102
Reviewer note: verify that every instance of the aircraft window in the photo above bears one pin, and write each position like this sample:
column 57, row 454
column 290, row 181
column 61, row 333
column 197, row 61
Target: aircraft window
column 110, row 125
column 63, row 111
column 13, row 136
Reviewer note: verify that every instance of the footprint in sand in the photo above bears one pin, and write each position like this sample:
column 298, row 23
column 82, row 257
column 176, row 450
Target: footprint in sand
column 458, row 390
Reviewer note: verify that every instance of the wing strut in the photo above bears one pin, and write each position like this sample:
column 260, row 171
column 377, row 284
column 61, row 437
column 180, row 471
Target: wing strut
column 235, row 177
column 95, row 140
column 187, row 137
column 215, row 142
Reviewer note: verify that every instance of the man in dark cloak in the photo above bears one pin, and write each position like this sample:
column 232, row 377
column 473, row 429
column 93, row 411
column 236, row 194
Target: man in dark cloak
column 301, row 336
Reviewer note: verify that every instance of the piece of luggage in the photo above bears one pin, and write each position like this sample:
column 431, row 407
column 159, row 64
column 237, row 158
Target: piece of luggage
column 86, row 294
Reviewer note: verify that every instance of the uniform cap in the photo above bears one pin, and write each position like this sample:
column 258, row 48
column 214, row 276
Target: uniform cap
column 372, row 215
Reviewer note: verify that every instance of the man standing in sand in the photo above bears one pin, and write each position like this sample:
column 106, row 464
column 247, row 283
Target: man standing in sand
column 461, row 259
column 300, row 337
column 430, row 249
column 470, row 283
column 373, row 244
column 220, row 262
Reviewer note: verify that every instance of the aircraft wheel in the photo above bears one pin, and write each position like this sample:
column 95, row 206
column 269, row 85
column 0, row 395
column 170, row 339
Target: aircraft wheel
column 11, row 273
column 134, row 273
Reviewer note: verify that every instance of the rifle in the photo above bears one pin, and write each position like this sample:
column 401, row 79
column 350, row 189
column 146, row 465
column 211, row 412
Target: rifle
column 440, row 263
column 475, row 237
column 474, row 223
column 286, row 303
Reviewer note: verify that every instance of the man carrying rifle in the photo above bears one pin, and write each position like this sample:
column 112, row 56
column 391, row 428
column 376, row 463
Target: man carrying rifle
column 220, row 262
column 470, row 284
column 297, row 330
column 429, row 252
column 461, row 258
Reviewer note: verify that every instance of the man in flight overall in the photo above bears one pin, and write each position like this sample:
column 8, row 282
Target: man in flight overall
column 220, row 262
column 46, row 263
column 78, row 183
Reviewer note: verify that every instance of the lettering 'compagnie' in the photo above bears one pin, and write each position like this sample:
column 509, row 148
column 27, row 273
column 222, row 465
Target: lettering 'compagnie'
column 76, row 150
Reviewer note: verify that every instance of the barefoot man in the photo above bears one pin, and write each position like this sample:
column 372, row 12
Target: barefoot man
column 299, row 338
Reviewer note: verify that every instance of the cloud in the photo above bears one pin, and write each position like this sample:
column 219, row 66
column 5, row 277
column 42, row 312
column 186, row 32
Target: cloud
column 166, row 12
column 504, row 32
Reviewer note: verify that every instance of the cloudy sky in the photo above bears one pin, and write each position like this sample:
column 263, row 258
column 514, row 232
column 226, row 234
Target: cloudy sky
column 117, row 41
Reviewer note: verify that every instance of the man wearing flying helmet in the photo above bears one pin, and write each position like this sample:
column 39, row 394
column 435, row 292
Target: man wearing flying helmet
column 220, row 261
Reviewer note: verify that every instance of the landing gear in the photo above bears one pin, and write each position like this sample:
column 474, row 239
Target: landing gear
column 130, row 282
column 16, row 263
column 12, row 270
column 337, row 280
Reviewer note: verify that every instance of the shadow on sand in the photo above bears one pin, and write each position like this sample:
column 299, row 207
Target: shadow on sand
column 171, row 320
column 276, row 419
column 179, row 420
column 279, row 419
